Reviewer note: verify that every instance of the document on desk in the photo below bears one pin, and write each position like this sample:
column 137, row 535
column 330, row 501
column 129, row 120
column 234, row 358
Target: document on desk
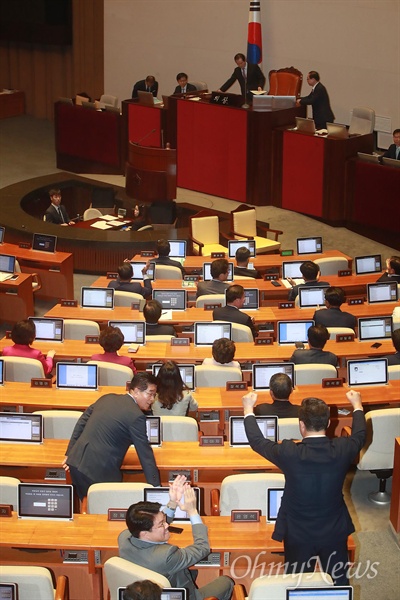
column 101, row 225
column 107, row 217
column 166, row 315
column 117, row 223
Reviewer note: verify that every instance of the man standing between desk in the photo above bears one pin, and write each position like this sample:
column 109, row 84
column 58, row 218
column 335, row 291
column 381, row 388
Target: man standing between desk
column 319, row 100
column 104, row 433
column 313, row 520
column 249, row 77
column 56, row 213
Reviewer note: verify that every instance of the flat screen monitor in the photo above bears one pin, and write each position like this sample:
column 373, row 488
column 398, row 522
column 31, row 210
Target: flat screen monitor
column 305, row 125
column 237, row 434
column 171, row 299
column 310, row 245
column 145, row 98
column 206, row 333
column 234, row 245
column 251, row 299
column 186, row 372
column 337, row 131
column 262, row 102
column 76, row 376
column 1, row 371
column 391, row 162
column 177, row 248
column 274, row 498
column 161, row 495
column 90, row 105
column 137, row 268
column 320, row 593
column 207, row 271
column 2, row 232
column 371, row 158
column 374, row 328
column 49, row 330
column 134, row 332
column 92, row 297
column 291, row 268
column 281, row 102
column 45, row 501
column 153, row 430
column 290, row 332
column 8, row 591
column 385, row 291
column 262, row 373
column 44, row 243
column 7, row 263
column 368, row 264
column 311, row 296
column 166, row 594
column 367, row 371
column 21, row 427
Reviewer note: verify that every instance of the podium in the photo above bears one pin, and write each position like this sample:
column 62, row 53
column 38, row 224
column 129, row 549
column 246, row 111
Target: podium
column 150, row 173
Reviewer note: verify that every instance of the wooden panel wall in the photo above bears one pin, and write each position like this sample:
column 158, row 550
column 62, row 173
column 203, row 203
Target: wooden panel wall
column 45, row 73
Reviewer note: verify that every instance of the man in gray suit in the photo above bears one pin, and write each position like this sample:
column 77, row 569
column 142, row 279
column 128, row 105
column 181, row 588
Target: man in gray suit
column 145, row 543
column 219, row 273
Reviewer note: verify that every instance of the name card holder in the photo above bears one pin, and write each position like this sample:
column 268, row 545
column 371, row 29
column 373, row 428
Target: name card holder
column 172, row 475
column 355, row 301
column 116, row 514
column 288, row 252
column 211, row 440
column 345, row 273
column 8, row 335
column 212, row 305
column 6, row 510
column 218, row 254
column 288, row 304
column 148, row 253
column 234, row 386
column 91, row 339
column 265, row 340
column 41, row 382
column 345, row 337
column 191, row 277
column 111, row 275
column 180, row 341
column 245, row 516
column 330, row 382
column 69, row 303
column 25, row 245
column 271, row 276
column 135, row 305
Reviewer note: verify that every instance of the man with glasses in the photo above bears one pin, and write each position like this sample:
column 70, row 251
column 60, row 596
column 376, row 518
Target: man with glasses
column 104, row 433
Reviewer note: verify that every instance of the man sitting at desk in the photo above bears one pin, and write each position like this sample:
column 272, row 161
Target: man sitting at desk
column 152, row 312
column 146, row 85
column 183, row 86
column 333, row 316
column 280, row 388
column 124, row 283
column 311, row 275
column 392, row 272
column 231, row 312
column 56, row 213
column 317, row 335
column 394, row 149
column 219, row 273
column 242, row 262
column 163, row 249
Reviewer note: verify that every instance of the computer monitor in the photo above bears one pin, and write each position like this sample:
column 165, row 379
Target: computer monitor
column 45, row 501
column 390, row 162
column 166, row 594
column 51, row 330
column 7, row 263
column 320, row 593
column 153, row 430
column 374, row 328
column 368, row 264
column 1, row 371
column 178, row 248
column 44, row 243
column 251, row 299
column 2, row 232
column 161, row 495
column 337, row 131
column 310, row 297
column 186, row 372
column 309, row 245
column 274, row 498
column 291, row 268
column 207, row 271
column 290, row 332
column 21, row 427
column 371, row 158
column 134, row 332
column 8, row 591
column 137, row 268
column 171, row 299
column 145, row 98
column 76, row 376
column 367, row 371
column 281, row 102
column 92, row 297
column 237, row 435
column 305, row 125
column 262, row 373
column 385, row 291
column 205, row 333
column 262, row 102
column 234, row 245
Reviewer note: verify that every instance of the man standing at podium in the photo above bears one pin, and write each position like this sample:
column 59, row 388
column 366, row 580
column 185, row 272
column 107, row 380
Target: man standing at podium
column 249, row 77
column 319, row 100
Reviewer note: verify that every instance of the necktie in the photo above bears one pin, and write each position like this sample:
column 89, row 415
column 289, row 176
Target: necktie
column 61, row 215
column 244, row 73
column 398, row 153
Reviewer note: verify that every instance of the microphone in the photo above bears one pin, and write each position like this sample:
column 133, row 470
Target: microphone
column 145, row 136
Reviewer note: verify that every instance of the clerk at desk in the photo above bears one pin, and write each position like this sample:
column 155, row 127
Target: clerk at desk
column 56, row 213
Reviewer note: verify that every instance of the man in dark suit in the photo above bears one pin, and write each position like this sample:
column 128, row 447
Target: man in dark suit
column 313, row 520
column 319, row 100
column 104, row 433
column 249, row 77
column 56, row 213
column 217, row 285
column 152, row 312
column 394, row 359
column 333, row 316
column 317, row 335
column 392, row 272
column 394, row 149
column 231, row 312
column 280, row 388
column 311, row 275
column 242, row 260
column 146, row 85
column 163, row 249
column 124, row 283
column 183, row 86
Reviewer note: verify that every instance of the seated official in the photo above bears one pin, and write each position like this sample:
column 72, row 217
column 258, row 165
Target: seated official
column 23, row 335
column 145, row 543
column 163, row 249
column 242, row 261
column 183, row 86
column 139, row 217
column 146, row 85
column 392, row 272
column 217, row 285
column 152, row 312
column 57, row 213
column 235, row 299
column 124, row 283
column 173, row 397
column 311, row 275
column 111, row 339
column 318, row 335
column 280, row 388
column 394, row 359
column 333, row 316
column 223, row 352
column 142, row 590
column 394, row 149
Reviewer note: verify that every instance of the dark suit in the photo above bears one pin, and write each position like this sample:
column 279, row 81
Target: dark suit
column 101, row 439
column 313, row 518
column 215, row 286
column 255, row 79
column 52, row 215
column 293, row 293
column 132, row 286
column 334, row 317
column 393, row 359
column 169, row 262
column 391, row 152
column 389, row 277
column 159, row 329
column 321, row 108
column 140, row 86
column 234, row 315
column 189, row 88
column 283, row 409
column 314, row 356
column 245, row 272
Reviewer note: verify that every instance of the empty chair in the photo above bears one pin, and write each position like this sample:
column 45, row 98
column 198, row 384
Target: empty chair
column 244, row 226
column 9, row 491
column 205, row 234
column 120, row 573
column 59, row 424
column 77, row 329
column 331, row 265
column 109, row 100
column 126, row 299
column 210, row 299
column 285, row 82
column 313, row 374
column 112, row 374
column 35, row 583
column 216, row 376
column 36, row 281
column 334, row 331
column 288, row 429
column 145, row 228
column 91, row 213
column 362, row 121
column 394, row 372
column 179, row 429
column 102, row 496
column 241, row 333
column 200, row 85
column 22, row 369
column 167, row 272
column 247, row 491
column 159, row 338
column 273, row 587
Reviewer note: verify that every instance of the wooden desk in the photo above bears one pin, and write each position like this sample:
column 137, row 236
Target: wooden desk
column 56, row 270
column 16, row 298
column 395, row 500
column 12, row 104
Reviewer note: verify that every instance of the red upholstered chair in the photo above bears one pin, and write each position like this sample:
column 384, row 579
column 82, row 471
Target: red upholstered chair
column 285, row 82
